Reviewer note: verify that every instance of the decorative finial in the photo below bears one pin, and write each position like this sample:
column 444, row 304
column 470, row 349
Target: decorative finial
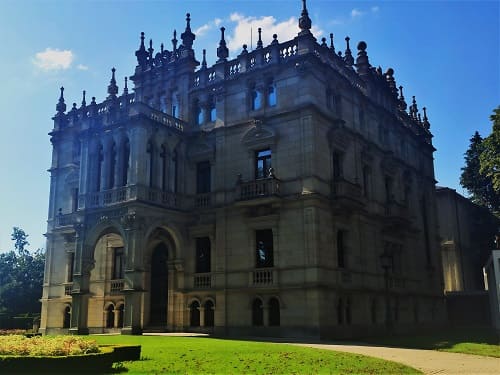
column 275, row 39
column 187, row 36
column 125, row 88
column 362, row 63
column 222, row 51
column 304, row 20
column 174, row 41
column 141, row 53
column 402, row 103
column 61, row 106
column 414, row 108
column 84, row 102
column 323, row 42
column 150, row 51
column 259, row 42
column 426, row 122
column 331, row 43
column 161, row 48
column 391, row 82
column 204, row 61
column 349, row 60
column 112, row 88
column 244, row 52
column 93, row 107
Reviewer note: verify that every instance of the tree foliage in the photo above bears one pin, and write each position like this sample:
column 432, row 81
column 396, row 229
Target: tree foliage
column 480, row 173
column 490, row 156
column 21, row 277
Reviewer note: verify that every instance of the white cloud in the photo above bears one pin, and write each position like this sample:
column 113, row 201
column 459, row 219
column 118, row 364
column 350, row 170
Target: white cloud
column 246, row 29
column 356, row 13
column 82, row 67
column 54, row 59
column 202, row 29
column 375, row 9
column 217, row 21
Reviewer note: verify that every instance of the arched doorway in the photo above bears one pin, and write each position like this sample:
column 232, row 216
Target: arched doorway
column 67, row 317
column 257, row 312
column 194, row 320
column 159, row 286
column 209, row 314
column 110, row 316
column 274, row 312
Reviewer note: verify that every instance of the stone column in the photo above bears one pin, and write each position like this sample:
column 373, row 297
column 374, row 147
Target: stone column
column 138, row 154
column 265, row 312
column 202, row 316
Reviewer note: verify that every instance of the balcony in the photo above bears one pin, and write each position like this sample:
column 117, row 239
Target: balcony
column 262, row 277
column 258, row 189
column 68, row 289
column 124, row 194
column 205, row 200
column 116, row 286
column 202, row 281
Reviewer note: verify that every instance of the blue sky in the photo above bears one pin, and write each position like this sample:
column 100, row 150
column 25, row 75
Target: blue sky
column 444, row 52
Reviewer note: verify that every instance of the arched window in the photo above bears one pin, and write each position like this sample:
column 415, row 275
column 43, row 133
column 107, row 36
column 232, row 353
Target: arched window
column 112, row 166
column 213, row 111
column 175, row 105
column 110, row 316
column 256, row 99
column 200, row 115
column 194, row 310
column 209, row 314
column 99, row 157
column 257, row 313
column 121, row 311
column 203, row 262
column 67, row 317
column 271, row 95
column 274, row 312
column 264, row 248
column 150, row 151
column 125, row 162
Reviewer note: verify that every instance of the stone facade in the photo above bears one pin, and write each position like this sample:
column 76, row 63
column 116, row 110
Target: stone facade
column 256, row 196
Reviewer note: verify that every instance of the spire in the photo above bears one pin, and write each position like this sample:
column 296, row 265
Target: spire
column 304, row 20
column 222, row 51
column 74, row 113
column 174, row 42
column 150, row 51
column 112, row 88
column 84, row 102
column 426, row 122
column 349, row 60
column 141, row 53
column 362, row 63
column 61, row 106
column 204, row 61
column 187, row 36
column 259, row 42
column 402, row 103
column 331, row 43
column 125, row 88
column 414, row 108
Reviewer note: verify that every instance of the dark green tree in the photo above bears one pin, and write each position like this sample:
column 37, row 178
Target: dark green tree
column 490, row 156
column 21, row 277
column 479, row 185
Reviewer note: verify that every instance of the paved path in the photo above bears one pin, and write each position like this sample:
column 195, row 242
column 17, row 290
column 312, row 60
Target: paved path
column 427, row 361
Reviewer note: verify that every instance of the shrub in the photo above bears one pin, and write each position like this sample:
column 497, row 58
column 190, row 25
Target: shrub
column 46, row 346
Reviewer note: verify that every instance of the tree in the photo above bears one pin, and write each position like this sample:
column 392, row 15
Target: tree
column 21, row 277
column 490, row 156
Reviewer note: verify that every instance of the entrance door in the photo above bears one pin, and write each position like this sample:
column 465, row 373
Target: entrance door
column 159, row 286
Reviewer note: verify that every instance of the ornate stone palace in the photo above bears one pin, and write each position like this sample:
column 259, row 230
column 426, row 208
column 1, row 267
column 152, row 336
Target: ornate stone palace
column 288, row 192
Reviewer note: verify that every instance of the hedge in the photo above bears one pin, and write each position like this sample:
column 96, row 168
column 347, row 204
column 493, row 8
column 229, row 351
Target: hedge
column 76, row 364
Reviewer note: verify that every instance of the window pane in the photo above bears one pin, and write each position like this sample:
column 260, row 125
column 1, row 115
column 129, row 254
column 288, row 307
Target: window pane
column 271, row 98
column 264, row 250
column 213, row 114
column 203, row 178
column 203, row 255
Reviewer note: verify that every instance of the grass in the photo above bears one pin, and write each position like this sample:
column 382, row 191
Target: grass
column 469, row 340
column 197, row 355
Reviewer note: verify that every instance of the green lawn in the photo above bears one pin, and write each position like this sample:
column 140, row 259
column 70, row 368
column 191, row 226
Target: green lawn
column 469, row 340
column 199, row 355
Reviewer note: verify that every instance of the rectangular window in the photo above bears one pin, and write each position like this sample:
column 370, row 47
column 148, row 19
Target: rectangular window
column 337, row 166
column 256, row 99
column 271, row 95
column 203, row 255
column 71, row 261
column 262, row 163
column 118, row 263
column 203, row 177
column 264, row 248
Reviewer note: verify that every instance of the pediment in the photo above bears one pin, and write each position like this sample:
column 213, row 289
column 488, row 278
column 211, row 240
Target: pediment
column 259, row 136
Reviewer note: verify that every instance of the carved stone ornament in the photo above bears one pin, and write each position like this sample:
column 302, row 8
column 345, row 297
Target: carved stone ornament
column 258, row 136
column 132, row 221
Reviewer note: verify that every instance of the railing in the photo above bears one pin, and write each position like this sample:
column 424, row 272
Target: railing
column 66, row 220
column 262, row 277
column 132, row 193
column 116, row 286
column 265, row 187
column 203, row 200
column 203, row 280
column 68, row 289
